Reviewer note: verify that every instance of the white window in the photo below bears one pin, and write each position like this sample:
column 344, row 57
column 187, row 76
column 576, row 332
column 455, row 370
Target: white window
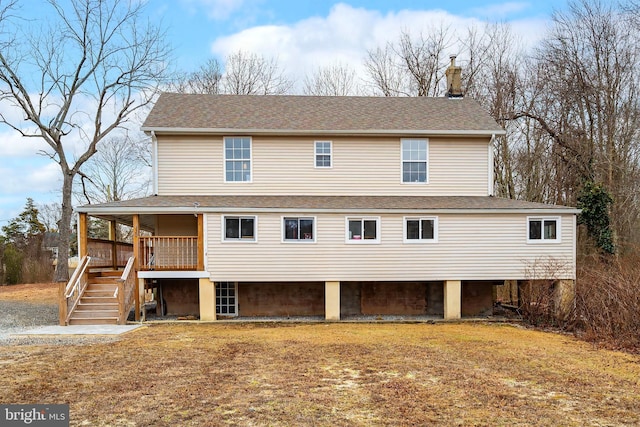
column 363, row 230
column 237, row 159
column 543, row 229
column 424, row 229
column 240, row 228
column 298, row 229
column 414, row 161
column 227, row 298
column 323, row 154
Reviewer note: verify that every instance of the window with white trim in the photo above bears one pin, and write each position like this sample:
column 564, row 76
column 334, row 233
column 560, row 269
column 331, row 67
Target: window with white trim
column 420, row 229
column 226, row 298
column 363, row 230
column 240, row 228
column 237, row 159
column 323, row 154
column 543, row 229
column 414, row 161
column 298, row 229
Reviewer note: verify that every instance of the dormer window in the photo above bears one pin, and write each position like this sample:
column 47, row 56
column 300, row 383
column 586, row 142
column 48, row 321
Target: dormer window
column 414, row 161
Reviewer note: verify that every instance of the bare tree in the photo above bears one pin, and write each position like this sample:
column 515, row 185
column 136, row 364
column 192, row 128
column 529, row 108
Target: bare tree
column 385, row 73
column 333, row 80
column 252, row 74
column 118, row 171
column 76, row 78
column 425, row 59
column 414, row 66
column 582, row 101
column 205, row 80
column 49, row 215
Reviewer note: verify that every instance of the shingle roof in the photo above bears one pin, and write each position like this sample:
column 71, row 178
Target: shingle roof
column 194, row 113
column 320, row 203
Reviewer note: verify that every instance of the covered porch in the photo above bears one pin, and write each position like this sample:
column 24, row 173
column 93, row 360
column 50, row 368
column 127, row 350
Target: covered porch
column 115, row 272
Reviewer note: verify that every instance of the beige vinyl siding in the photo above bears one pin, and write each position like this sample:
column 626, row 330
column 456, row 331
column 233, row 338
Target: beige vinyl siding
column 188, row 166
column 362, row 166
column 469, row 247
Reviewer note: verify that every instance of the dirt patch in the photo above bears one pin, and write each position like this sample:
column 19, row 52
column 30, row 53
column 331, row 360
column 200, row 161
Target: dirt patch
column 329, row 374
column 39, row 293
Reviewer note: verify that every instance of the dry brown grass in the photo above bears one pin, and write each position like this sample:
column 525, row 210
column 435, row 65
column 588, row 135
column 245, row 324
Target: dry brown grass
column 38, row 293
column 329, row 374
column 324, row 374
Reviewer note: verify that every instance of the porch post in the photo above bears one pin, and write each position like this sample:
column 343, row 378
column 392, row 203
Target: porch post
column 82, row 235
column 140, row 301
column 114, row 246
column 207, row 299
column 452, row 299
column 136, row 256
column 332, row 300
column 62, row 304
column 200, row 242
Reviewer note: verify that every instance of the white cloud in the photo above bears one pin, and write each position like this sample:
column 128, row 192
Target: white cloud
column 346, row 33
column 30, row 177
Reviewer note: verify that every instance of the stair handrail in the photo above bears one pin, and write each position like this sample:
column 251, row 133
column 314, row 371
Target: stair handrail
column 76, row 286
column 125, row 291
column 76, row 278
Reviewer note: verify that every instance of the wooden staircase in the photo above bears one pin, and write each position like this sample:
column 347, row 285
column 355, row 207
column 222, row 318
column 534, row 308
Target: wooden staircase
column 98, row 305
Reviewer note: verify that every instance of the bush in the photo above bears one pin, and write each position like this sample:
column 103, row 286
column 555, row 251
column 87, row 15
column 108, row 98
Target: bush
column 12, row 260
column 537, row 302
column 607, row 308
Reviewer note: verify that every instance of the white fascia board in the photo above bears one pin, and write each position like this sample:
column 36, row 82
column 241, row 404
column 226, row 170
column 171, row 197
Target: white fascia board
column 373, row 132
column 190, row 210
column 173, row 274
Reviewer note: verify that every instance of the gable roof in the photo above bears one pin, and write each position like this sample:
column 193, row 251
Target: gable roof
column 255, row 114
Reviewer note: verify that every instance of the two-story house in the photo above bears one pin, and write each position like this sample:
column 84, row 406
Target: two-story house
column 324, row 206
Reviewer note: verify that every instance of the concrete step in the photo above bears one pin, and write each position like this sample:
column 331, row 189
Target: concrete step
column 93, row 321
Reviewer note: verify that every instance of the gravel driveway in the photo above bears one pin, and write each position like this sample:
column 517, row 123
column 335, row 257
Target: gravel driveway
column 17, row 317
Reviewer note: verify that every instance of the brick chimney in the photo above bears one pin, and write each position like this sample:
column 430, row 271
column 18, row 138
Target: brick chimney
column 454, row 81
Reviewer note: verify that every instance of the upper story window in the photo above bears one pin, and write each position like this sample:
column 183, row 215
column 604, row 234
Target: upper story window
column 298, row 229
column 414, row 160
column 420, row 230
column 323, row 154
column 363, row 230
column 237, row 159
column 241, row 228
column 543, row 229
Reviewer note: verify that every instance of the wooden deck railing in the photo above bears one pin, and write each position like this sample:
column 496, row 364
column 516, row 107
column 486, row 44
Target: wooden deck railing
column 125, row 291
column 107, row 253
column 71, row 292
column 168, row 252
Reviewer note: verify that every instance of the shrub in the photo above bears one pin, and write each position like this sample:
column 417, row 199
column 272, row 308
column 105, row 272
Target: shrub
column 607, row 308
column 12, row 260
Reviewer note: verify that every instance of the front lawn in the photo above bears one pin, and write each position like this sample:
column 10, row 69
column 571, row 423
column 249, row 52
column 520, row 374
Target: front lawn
column 329, row 375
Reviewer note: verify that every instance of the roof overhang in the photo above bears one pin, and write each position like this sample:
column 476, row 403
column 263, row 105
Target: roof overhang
column 298, row 132
column 147, row 210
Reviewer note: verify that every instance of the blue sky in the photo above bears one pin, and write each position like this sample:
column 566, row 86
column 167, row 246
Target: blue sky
column 301, row 34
